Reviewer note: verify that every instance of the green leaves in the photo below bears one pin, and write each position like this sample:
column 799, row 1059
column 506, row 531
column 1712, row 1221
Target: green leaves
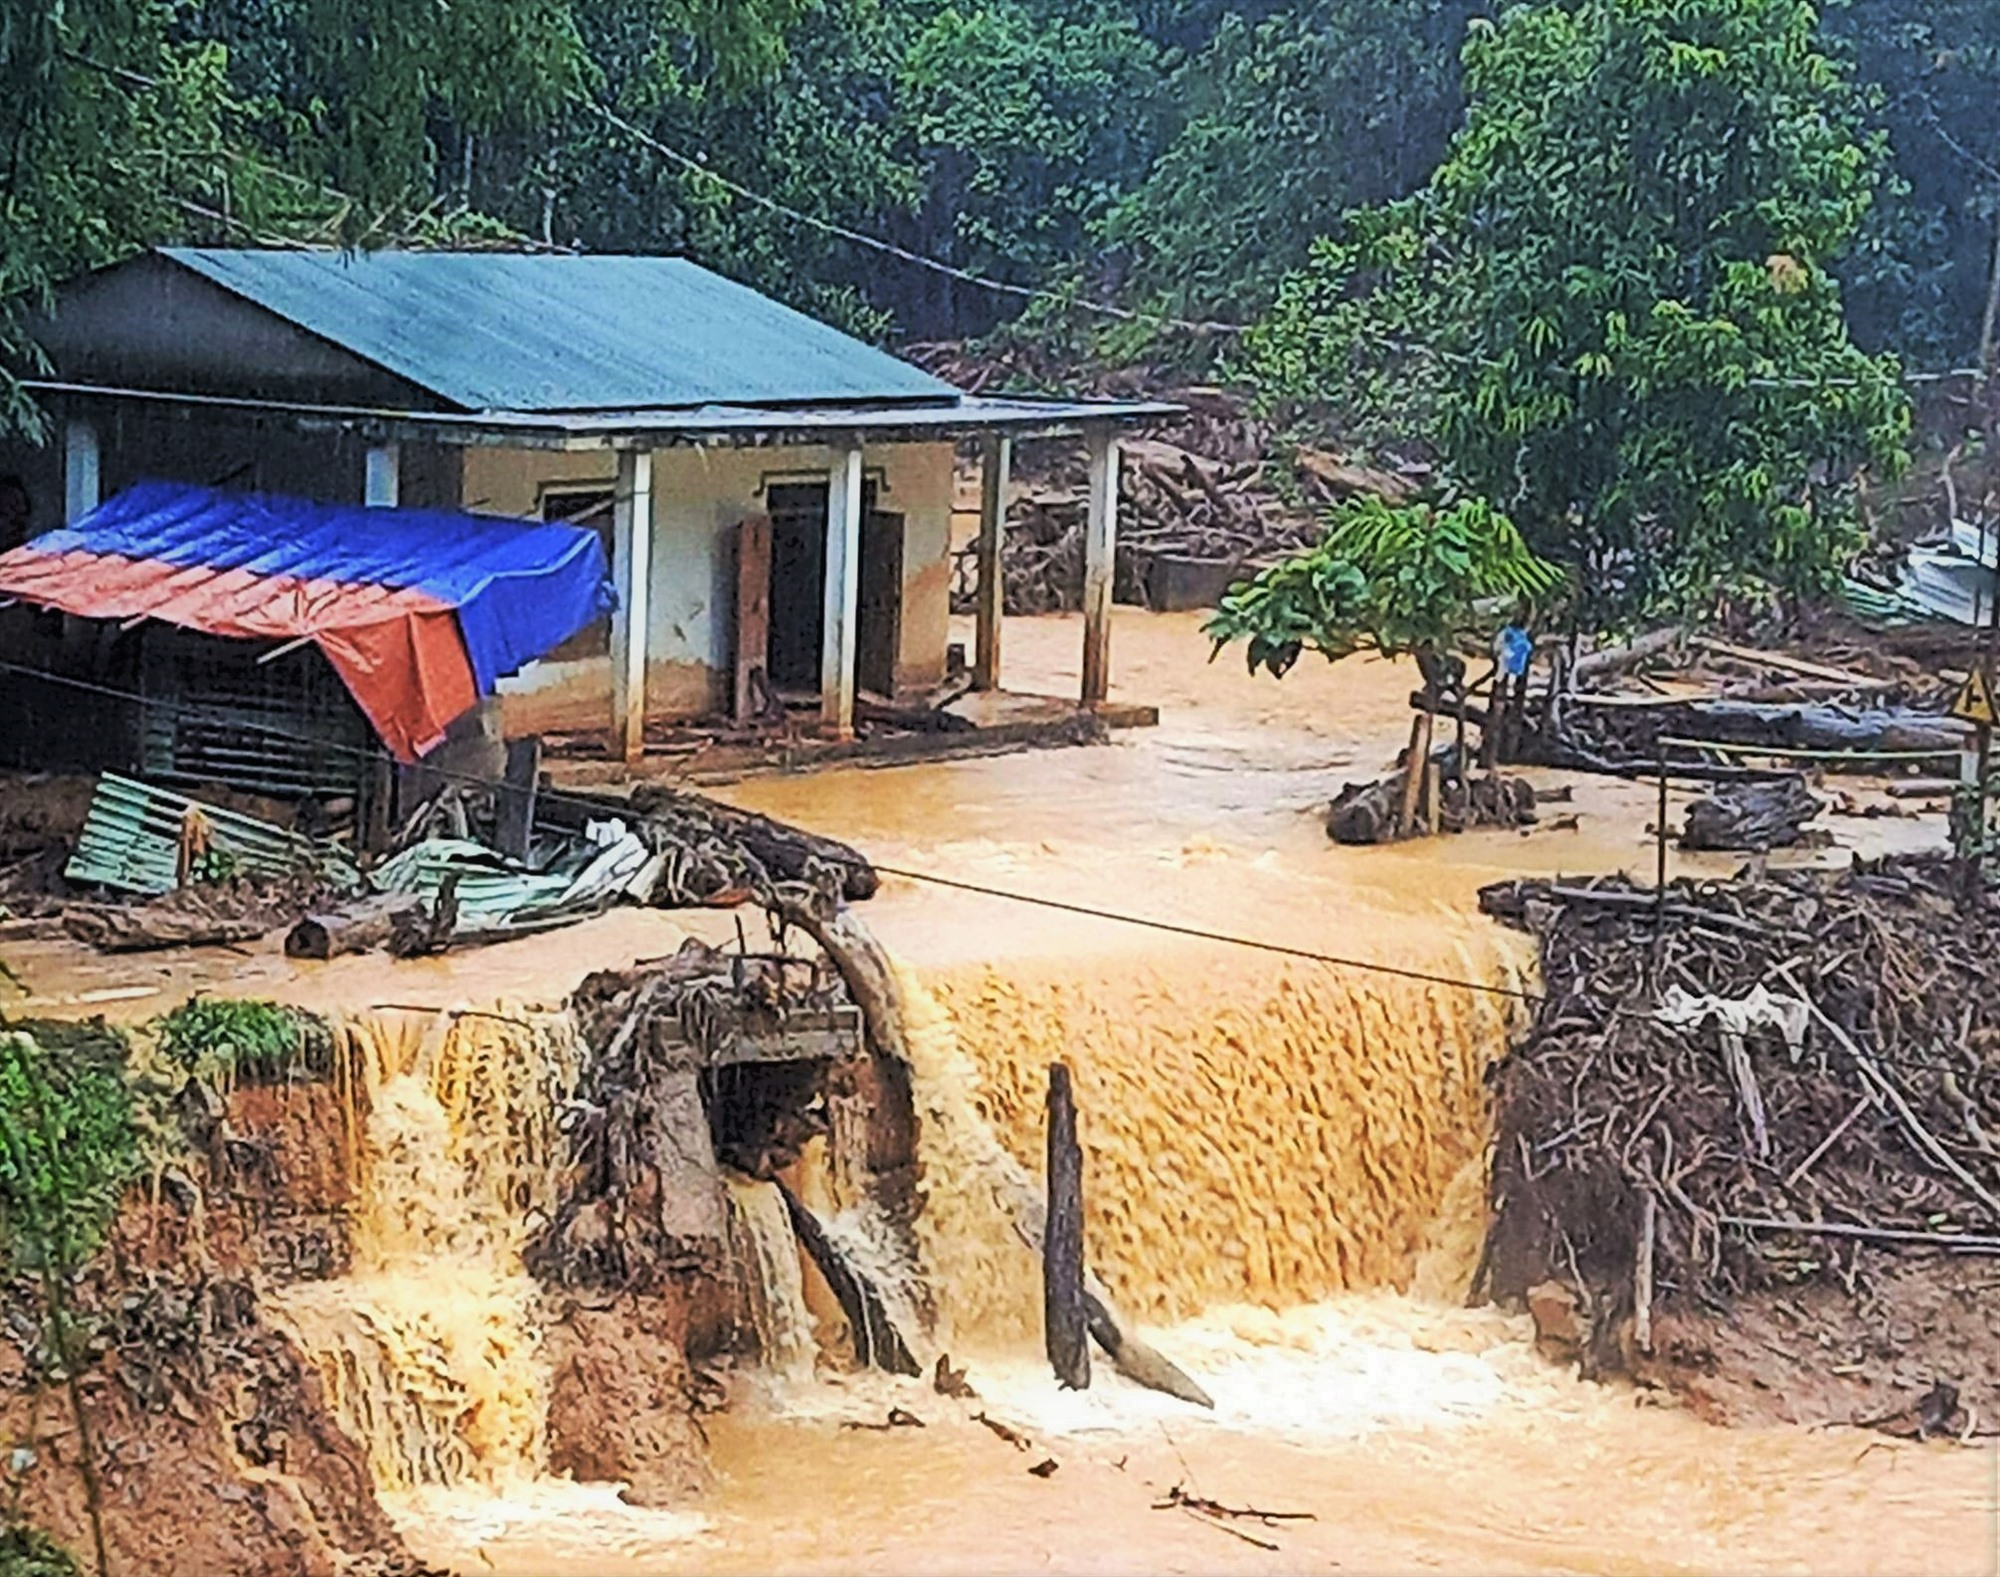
column 1394, row 578
column 67, row 1149
column 227, row 1038
column 1619, row 280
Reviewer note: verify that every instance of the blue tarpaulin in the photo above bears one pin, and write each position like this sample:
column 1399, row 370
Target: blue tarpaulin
column 420, row 611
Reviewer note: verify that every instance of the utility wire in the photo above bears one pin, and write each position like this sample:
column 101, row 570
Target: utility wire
column 1283, row 950
column 932, row 878
column 699, row 166
column 889, row 248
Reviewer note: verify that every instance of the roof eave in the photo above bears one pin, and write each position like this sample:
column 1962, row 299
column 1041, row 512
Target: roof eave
column 747, row 427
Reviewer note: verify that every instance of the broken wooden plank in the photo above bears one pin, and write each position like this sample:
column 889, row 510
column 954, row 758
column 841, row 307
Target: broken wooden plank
column 1786, row 663
column 877, row 1342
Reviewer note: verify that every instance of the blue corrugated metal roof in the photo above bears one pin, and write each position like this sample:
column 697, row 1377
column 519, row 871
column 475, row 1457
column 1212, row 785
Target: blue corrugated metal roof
column 491, row 331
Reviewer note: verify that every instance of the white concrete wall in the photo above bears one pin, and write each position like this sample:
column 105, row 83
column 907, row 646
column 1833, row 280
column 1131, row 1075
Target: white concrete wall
column 699, row 494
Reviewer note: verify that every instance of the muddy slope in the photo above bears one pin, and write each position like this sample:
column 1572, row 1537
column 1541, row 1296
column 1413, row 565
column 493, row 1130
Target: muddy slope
column 214, row 1445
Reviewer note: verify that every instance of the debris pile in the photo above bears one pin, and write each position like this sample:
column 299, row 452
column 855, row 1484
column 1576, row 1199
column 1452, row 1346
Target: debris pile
column 1448, row 799
column 1753, row 816
column 1750, row 1147
column 1203, row 500
column 1623, row 709
column 149, row 868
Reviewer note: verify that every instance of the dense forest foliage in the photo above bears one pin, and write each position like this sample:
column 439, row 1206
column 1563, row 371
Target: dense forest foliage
column 1174, row 157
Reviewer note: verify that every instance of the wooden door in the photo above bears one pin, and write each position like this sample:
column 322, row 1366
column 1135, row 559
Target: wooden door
column 878, row 621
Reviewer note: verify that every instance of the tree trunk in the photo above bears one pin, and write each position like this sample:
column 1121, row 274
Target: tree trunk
column 354, row 928
column 1413, row 773
column 1065, row 1325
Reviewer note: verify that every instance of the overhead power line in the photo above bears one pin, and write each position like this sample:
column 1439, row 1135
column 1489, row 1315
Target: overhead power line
column 931, row 878
column 1196, row 933
column 889, row 248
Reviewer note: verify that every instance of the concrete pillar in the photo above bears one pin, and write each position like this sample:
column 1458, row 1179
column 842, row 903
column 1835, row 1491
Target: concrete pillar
column 1100, row 536
column 83, row 486
column 381, row 486
column 843, row 591
column 631, row 573
column 996, row 459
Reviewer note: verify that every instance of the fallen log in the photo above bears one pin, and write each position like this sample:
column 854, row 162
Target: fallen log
column 870, row 978
column 1609, row 660
column 1751, row 816
column 1923, row 788
column 1821, row 727
column 914, row 719
column 1784, row 662
column 1064, row 1322
column 357, row 927
column 142, row 928
column 877, row 1342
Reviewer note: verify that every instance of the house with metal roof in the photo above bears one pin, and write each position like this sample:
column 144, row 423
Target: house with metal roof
column 773, row 496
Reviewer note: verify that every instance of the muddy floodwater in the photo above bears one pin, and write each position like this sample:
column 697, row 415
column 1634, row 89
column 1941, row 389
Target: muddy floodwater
column 1284, row 1183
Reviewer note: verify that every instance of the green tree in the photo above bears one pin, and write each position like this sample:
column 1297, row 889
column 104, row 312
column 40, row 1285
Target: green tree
column 1399, row 579
column 1927, row 275
column 1276, row 128
column 1612, row 308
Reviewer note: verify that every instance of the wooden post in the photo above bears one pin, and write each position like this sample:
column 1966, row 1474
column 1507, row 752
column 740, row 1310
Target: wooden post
column 1100, row 536
column 1065, row 1320
column 753, row 617
column 381, row 485
column 1416, row 768
column 996, row 460
column 843, row 592
column 514, row 818
column 631, row 570
column 83, row 486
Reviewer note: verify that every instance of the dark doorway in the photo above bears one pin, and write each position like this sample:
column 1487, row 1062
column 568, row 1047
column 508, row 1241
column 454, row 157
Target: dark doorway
column 878, row 616
column 798, row 513
column 798, row 582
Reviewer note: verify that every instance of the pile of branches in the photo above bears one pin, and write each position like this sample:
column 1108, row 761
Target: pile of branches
column 718, row 856
column 1745, row 1087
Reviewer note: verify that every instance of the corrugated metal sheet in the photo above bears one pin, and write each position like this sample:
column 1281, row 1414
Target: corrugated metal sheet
column 505, row 331
column 496, row 896
column 131, row 841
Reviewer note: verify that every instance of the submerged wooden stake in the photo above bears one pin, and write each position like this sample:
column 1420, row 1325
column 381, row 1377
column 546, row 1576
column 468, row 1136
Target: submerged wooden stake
column 1065, row 1322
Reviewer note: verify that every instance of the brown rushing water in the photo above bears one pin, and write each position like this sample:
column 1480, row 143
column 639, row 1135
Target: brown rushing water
column 1284, row 1167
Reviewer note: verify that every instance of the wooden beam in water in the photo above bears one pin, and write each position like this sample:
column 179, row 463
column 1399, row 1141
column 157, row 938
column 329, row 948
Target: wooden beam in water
column 1065, row 1323
column 877, row 1342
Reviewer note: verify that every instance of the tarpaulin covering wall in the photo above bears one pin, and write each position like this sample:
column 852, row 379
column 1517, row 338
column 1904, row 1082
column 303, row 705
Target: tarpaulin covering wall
column 419, row 611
